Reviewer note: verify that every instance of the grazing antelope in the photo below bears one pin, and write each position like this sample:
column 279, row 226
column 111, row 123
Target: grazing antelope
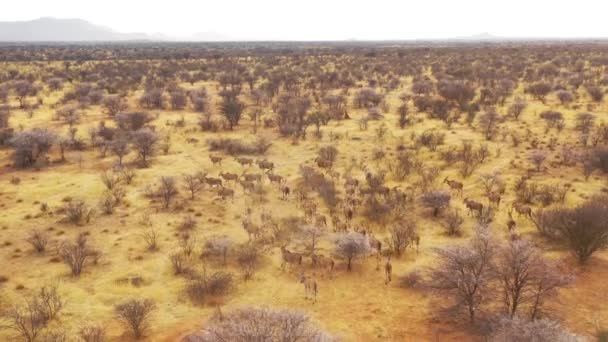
column 265, row 165
column 253, row 230
column 323, row 163
column 244, row 161
column 522, row 209
column 494, row 198
column 247, row 186
column 229, row 176
column 252, row 177
column 454, row 185
column 275, row 178
column 212, row 181
column 352, row 182
column 384, row 191
column 415, row 238
column 225, row 193
column 511, row 223
column 285, row 190
column 473, row 206
column 289, row 257
column 310, row 287
column 322, row 262
column 388, row 271
column 320, row 220
column 216, row 159
column 348, row 213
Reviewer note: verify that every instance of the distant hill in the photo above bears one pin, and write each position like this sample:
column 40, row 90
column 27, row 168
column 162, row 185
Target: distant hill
column 52, row 29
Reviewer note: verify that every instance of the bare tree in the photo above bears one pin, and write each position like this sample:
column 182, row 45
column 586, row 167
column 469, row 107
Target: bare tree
column 465, row 272
column 538, row 159
column 135, row 314
column 193, row 184
column 351, row 245
column 92, row 333
column 489, row 122
column 167, row 190
column 144, row 141
column 113, row 104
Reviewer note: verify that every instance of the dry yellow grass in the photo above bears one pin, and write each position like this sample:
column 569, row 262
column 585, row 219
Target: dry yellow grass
column 357, row 306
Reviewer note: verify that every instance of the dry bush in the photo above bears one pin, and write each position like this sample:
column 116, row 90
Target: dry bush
column 543, row 330
column 78, row 212
column 38, row 239
column 202, row 287
column 135, row 314
column 150, row 237
column 584, row 229
column 180, row 263
column 248, row 257
column 237, row 147
column 401, row 236
column 257, row 324
column 436, row 200
column 77, row 254
column 452, row 222
column 92, row 333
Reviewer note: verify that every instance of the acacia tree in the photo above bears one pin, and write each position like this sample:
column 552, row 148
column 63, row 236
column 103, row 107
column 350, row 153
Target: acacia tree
column 144, row 140
column 32, row 144
column 465, row 272
column 350, row 246
column 232, row 109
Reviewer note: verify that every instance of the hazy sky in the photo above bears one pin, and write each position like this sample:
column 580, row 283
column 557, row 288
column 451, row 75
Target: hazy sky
column 327, row 19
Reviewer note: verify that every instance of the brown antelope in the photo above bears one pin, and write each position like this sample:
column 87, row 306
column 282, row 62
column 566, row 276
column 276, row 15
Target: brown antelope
column 310, row 287
column 415, row 238
column 265, row 165
column 253, row 230
column 323, row 163
column 289, row 257
column 277, row 179
column 320, row 220
column 252, row 177
column 454, row 185
column 374, row 243
column 522, row 209
column 212, row 181
column 494, row 199
column 352, row 182
column 285, row 190
column 225, row 193
column 388, row 271
column 216, row 159
column 244, row 161
column 322, row 262
column 247, row 186
column 473, row 206
column 511, row 222
column 229, row 176
column 384, row 191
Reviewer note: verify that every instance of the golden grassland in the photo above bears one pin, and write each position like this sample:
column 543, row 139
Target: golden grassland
column 355, row 305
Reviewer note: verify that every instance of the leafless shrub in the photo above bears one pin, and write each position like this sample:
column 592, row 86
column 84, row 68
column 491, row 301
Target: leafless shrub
column 76, row 254
column 253, row 324
column 412, row 279
column 38, row 239
column 167, row 190
column 248, row 256
column 135, row 314
column 517, row 329
column 436, row 200
column 236, row 146
column 92, row 333
column 465, row 272
column 78, row 212
column 151, row 238
column 180, row 263
column 452, row 221
column 26, row 321
column 401, row 236
column 202, row 287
